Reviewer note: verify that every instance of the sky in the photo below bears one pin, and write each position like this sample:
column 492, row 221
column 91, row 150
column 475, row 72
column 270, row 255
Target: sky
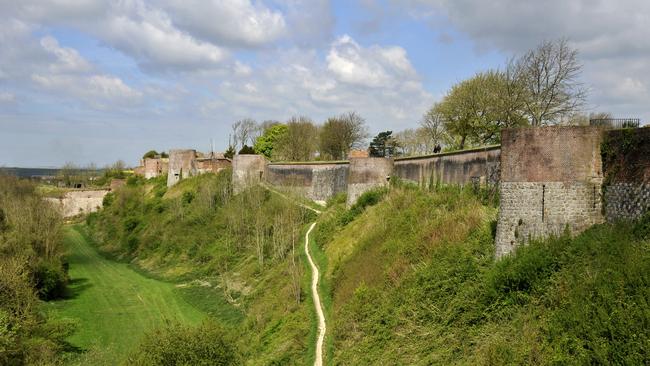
column 94, row 81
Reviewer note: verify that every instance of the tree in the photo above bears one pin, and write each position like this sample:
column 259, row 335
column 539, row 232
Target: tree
column 245, row 150
column 475, row 110
column 340, row 134
column 150, row 154
column 266, row 143
column 300, row 141
column 550, row 78
column 433, row 124
column 243, row 132
column 383, row 145
column 414, row 141
column 230, row 152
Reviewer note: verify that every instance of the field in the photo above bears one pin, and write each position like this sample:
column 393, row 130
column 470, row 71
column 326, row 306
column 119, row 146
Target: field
column 113, row 304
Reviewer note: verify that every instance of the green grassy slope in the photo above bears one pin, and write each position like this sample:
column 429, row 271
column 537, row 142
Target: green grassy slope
column 113, row 304
column 413, row 281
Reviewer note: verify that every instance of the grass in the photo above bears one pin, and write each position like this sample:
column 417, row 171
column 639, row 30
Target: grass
column 112, row 304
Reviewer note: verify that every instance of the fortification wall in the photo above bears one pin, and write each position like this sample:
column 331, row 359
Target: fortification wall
column 626, row 166
column 366, row 174
column 316, row 181
column 182, row 164
column 79, row 202
column 247, row 170
column 154, row 167
column 459, row 167
column 551, row 179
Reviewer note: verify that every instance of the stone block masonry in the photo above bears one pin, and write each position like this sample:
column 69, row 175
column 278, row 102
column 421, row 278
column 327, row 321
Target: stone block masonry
column 74, row 203
column 551, row 179
column 626, row 166
column 182, row 164
column 247, row 170
column 366, row 174
column 314, row 180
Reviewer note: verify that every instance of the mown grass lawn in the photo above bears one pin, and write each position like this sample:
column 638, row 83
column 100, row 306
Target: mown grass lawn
column 114, row 305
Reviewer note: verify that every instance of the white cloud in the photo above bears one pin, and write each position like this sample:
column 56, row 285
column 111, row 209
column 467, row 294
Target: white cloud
column 7, row 97
column 238, row 23
column 611, row 37
column 68, row 59
column 372, row 67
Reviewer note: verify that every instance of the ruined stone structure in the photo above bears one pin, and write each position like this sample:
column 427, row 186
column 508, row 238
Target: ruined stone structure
column 152, row 167
column 247, row 170
column 551, row 180
column 316, row 181
column 74, row 203
column 188, row 163
column 458, row 167
column 366, row 174
column 182, row 164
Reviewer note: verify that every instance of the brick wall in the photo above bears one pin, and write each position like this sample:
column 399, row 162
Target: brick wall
column 551, row 179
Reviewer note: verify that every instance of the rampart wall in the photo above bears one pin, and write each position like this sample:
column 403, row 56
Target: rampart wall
column 551, row 180
column 316, row 181
column 366, row 174
column 182, row 164
column 74, row 203
column 458, row 167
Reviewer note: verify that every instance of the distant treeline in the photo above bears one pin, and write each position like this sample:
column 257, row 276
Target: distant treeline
column 29, row 172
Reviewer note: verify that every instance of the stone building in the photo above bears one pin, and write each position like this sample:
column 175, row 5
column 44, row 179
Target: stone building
column 188, row 163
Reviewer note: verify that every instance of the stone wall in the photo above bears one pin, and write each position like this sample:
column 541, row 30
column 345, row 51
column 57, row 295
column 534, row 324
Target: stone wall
column 551, row 179
column 212, row 165
column 182, row 164
column 75, row 203
column 626, row 166
column 316, row 181
column 459, row 167
column 366, row 174
column 247, row 170
column 154, row 167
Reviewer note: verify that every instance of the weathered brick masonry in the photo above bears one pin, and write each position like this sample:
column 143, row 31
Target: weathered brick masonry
column 551, row 179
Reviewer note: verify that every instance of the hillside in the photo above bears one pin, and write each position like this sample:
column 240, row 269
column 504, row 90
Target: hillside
column 409, row 276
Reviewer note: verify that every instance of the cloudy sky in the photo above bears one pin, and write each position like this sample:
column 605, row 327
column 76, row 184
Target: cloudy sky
column 100, row 80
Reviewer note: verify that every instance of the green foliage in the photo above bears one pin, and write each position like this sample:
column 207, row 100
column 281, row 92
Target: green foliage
column 50, row 279
column 642, row 227
column 265, row 144
column 246, row 150
column 421, row 287
column 176, row 344
column 150, row 154
column 367, row 199
column 383, row 145
column 230, row 152
column 108, row 199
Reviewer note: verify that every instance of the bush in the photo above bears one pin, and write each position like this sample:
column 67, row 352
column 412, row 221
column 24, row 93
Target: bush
column 108, row 200
column 642, row 227
column 369, row 198
column 130, row 223
column 177, row 344
column 50, row 280
column 188, row 197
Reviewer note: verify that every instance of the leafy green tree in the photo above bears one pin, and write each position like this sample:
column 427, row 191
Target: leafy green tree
column 383, row 145
column 299, row 143
column 246, row 150
column 230, row 152
column 475, row 110
column 265, row 144
column 340, row 134
column 150, row 154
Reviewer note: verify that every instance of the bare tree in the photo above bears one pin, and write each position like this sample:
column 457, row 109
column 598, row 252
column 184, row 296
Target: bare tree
column 433, row 123
column 550, row 76
column 244, row 132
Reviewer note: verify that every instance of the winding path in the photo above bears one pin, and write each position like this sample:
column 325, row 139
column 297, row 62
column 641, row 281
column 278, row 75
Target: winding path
column 315, row 275
column 318, row 361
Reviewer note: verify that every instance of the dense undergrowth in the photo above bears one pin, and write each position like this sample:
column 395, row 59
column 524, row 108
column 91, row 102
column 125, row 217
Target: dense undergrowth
column 409, row 276
column 31, row 269
column 414, row 281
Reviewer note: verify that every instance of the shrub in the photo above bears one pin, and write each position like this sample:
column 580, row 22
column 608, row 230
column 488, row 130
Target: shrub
column 50, row 280
column 642, row 227
column 130, row 223
column 177, row 344
column 188, row 197
column 369, row 198
column 108, row 200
